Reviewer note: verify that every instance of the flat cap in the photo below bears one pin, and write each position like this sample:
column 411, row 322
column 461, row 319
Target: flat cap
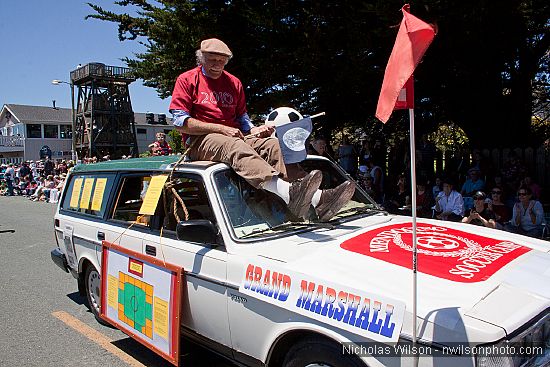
column 215, row 46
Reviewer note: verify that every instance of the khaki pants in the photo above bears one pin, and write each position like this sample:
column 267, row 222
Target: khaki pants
column 256, row 160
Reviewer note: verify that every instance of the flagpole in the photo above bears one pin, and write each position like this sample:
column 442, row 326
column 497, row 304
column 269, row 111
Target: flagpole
column 413, row 206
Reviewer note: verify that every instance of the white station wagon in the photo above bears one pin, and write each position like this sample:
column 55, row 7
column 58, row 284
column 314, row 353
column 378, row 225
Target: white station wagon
column 263, row 290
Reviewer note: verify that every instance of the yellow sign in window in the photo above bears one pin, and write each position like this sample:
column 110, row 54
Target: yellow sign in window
column 86, row 193
column 152, row 195
column 99, row 191
column 75, row 195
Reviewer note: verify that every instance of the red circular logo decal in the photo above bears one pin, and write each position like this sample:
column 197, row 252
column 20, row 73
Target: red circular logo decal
column 442, row 252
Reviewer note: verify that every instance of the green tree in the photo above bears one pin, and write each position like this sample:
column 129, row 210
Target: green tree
column 175, row 141
column 486, row 63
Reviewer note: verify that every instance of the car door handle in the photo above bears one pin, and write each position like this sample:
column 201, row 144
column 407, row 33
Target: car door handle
column 150, row 250
column 101, row 236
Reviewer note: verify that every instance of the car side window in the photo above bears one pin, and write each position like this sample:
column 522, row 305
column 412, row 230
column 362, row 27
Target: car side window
column 88, row 194
column 129, row 198
column 188, row 190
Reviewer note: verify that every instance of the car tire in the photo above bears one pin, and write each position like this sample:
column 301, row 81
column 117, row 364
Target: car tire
column 316, row 351
column 92, row 286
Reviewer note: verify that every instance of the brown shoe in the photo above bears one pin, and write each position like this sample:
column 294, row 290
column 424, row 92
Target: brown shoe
column 333, row 200
column 301, row 192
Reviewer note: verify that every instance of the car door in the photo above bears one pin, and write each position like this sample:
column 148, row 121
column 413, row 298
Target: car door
column 125, row 226
column 204, row 303
column 80, row 217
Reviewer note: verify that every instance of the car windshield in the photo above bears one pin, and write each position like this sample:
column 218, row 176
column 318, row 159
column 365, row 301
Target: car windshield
column 256, row 213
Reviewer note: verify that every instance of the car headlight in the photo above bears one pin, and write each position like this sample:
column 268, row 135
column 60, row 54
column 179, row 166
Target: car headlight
column 529, row 348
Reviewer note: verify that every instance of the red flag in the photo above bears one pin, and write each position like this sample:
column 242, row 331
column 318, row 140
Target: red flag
column 405, row 99
column 413, row 39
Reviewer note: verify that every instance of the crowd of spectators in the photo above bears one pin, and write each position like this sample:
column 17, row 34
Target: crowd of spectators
column 470, row 189
column 40, row 180
column 508, row 199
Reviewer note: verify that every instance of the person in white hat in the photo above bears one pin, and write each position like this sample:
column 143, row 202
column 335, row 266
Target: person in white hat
column 209, row 109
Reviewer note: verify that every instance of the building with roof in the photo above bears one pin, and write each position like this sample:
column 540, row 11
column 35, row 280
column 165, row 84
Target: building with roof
column 29, row 132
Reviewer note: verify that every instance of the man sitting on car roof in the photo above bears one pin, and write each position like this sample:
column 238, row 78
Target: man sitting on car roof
column 209, row 109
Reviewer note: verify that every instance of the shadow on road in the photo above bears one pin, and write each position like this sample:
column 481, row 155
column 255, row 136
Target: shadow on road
column 191, row 354
column 77, row 298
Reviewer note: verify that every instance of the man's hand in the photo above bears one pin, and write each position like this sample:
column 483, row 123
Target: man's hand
column 230, row 131
column 263, row 131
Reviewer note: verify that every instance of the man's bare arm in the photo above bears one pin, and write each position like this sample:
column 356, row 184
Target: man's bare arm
column 196, row 127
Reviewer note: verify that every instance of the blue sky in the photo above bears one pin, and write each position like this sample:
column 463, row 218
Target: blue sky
column 45, row 39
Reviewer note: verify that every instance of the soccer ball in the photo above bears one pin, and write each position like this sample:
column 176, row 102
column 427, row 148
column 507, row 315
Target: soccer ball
column 282, row 115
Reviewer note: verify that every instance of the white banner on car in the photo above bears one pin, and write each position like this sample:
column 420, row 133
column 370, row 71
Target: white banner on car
column 360, row 312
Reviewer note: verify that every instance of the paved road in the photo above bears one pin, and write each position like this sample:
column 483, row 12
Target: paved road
column 43, row 320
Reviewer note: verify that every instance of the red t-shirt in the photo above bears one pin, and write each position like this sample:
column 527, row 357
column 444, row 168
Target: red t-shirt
column 218, row 101
column 161, row 149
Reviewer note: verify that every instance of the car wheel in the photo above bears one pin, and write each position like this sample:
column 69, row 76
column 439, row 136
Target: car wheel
column 317, row 352
column 92, row 282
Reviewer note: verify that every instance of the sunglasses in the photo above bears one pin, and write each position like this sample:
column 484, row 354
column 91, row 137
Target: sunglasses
column 522, row 194
column 496, row 192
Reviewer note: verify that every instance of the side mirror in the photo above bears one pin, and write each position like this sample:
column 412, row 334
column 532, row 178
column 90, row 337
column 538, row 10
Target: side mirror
column 197, row 230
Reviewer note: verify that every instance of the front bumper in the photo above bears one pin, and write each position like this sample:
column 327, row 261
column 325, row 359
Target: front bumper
column 59, row 259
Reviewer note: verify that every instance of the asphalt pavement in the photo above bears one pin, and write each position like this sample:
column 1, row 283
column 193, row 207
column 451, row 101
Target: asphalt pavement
column 43, row 319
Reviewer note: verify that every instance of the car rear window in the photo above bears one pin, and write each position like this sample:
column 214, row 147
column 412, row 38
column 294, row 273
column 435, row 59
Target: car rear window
column 88, row 194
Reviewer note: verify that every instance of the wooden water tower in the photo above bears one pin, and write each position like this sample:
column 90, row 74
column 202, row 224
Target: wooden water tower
column 104, row 119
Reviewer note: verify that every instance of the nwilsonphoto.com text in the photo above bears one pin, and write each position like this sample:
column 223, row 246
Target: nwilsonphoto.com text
column 452, row 350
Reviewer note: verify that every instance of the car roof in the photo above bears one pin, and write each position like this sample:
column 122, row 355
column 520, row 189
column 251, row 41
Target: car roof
column 138, row 164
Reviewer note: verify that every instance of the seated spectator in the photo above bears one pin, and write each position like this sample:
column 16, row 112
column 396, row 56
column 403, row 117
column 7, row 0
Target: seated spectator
column 3, row 188
column 17, row 186
column 436, row 189
column 496, row 204
column 513, row 172
column 535, row 188
column 367, row 184
column 377, row 175
column 49, row 184
column 38, row 190
column 42, row 192
column 31, row 188
column 400, row 198
column 318, row 146
column 24, row 182
column 61, row 182
column 160, row 146
column 24, row 171
column 480, row 214
column 527, row 216
column 472, row 185
column 424, row 200
column 449, row 204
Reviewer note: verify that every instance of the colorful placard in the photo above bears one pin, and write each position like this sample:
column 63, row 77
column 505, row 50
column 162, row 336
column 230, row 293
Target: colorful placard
column 370, row 315
column 75, row 194
column 141, row 296
column 99, row 191
column 151, row 199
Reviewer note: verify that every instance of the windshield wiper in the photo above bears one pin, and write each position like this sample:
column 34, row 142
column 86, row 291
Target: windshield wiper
column 362, row 210
column 287, row 225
